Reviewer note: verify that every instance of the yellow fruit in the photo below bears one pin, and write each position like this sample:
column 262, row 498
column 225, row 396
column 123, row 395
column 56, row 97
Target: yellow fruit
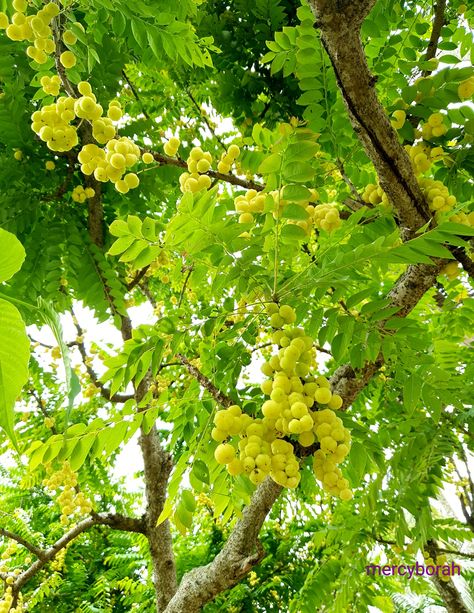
column 287, row 313
column 3, row 21
column 69, row 37
column 84, row 88
column 398, row 120
column 132, row 180
column 466, row 89
column 121, row 186
column 322, row 395
column 335, row 403
column 224, row 453
column 18, row 155
column 50, row 165
column 114, row 113
column 147, row 158
column 20, row 5
column 435, row 119
column 345, row 494
column 233, row 151
column 67, row 59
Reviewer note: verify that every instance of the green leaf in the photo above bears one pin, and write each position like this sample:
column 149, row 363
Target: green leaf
column 14, row 356
column 270, row 164
column 12, row 255
column 201, row 471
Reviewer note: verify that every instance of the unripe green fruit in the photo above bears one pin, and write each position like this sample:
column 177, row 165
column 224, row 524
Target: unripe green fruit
column 278, row 395
column 323, row 382
column 267, row 369
column 255, row 432
column 271, row 308
column 267, row 387
column 277, row 336
column 287, row 313
column 276, row 321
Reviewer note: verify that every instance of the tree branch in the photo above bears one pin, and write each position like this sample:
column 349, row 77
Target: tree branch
column 206, row 383
column 227, row 177
column 438, row 23
column 37, row 551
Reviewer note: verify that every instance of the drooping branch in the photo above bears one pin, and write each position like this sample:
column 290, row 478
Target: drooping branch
column 94, row 377
column 238, row 556
column 44, row 556
column 37, row 551
column 340, row 23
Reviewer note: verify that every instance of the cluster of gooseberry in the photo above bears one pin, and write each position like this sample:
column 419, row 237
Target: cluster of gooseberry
column 52, row 124
column 434, row 127
column 111, row 163
column 6, row 600
column 79, row 194
column 33, row 28
column 322, row 216
column 294, row 409
column 70, row 501
column 171, row 147
column 228, row 158
column 199, row 162
column 51, row 85
column 438, row 560
column 326, row 217
column 466, row 89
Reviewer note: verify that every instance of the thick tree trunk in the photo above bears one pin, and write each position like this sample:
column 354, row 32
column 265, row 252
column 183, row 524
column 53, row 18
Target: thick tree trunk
column 157, row 468
column 339, row 22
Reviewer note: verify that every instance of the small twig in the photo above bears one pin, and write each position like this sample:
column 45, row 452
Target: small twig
column 211, row 129
column 93, row 375
column 135, row 93
column 137, row 278
column 190, row 269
